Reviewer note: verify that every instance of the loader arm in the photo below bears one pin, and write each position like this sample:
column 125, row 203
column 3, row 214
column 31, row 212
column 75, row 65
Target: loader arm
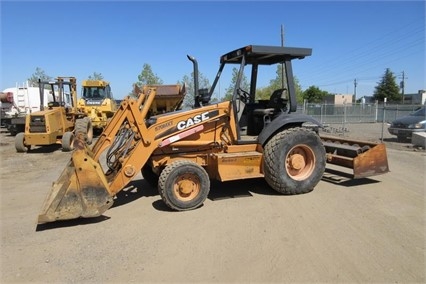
column 146, row 134
column 87, row 185
column 84, row 189
column 130, row 117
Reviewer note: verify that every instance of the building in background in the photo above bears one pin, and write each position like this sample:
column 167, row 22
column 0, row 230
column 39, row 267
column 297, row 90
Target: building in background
column 338, row 99
column 416, row 99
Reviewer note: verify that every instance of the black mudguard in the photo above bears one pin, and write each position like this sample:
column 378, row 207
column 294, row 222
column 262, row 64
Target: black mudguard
column 283, row 121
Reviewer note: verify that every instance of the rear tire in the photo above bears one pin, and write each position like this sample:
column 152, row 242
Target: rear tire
column 184, row 185
column 68, row 142
column 84, row 126
column 20, row 145
column 294, row 161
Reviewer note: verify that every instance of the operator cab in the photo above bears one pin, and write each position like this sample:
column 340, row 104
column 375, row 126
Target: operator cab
column 259, row 112
column 96, row 93
column 60, row 94
column 255, row 109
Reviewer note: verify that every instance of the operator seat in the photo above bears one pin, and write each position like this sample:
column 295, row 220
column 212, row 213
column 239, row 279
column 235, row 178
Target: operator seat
column 277, row 104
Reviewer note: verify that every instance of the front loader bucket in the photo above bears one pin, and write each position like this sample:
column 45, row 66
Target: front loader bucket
column 80, row 191
column 365, row 158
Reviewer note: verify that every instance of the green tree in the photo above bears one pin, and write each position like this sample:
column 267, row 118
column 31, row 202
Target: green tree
column 230, row 90
column 203, row 82
column 387, row 88
column 277, row 83
column 38, row 74
column 264, row 93
column 299, row 91
column 146, row 77
column 314, row 95
column 95, row 76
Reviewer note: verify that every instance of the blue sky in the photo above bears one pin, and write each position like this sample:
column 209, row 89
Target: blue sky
column 350, row 39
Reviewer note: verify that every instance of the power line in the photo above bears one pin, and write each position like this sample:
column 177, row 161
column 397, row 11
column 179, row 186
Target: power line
column 378, row 49
column 373, row 47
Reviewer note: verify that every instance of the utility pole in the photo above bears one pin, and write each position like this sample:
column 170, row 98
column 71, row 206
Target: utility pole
column 355, row 84
column 402, row 86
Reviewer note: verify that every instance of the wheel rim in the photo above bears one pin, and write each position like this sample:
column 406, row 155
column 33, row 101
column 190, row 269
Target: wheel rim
column 300, row 162
column 187, row 187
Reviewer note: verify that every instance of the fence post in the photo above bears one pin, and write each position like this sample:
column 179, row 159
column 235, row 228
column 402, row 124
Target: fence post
column 344, row 117
column 383, row 121
column 376, row 104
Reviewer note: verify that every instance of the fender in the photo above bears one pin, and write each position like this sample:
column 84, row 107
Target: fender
column 282, row 121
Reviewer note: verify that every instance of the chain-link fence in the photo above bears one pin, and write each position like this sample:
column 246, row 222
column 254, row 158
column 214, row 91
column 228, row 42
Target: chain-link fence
column 356, row 113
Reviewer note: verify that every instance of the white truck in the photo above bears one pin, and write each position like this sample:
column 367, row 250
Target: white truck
column 16, row 102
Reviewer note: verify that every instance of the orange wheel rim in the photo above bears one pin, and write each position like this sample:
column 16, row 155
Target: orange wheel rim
column 300, row 162
column 187, row 187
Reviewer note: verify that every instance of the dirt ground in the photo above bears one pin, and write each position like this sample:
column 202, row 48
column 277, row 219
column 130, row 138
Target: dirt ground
column 368, row 230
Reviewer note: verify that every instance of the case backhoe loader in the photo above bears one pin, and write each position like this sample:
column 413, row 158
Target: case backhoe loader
column 181, row 151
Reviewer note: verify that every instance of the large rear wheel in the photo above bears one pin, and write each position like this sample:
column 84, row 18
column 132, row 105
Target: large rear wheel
column 294, row 161
column 184, row 185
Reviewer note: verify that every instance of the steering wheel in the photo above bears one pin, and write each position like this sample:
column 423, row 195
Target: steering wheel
column 243, row 95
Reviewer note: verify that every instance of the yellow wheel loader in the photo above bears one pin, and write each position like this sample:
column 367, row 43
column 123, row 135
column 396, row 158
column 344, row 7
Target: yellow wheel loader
column 97, row 102
column 59, row 122
column 182, row 151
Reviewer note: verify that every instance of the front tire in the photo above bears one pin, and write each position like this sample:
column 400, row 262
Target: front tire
column 184, row 185
column 20, row 145
column 294, row 161
column 68, row 142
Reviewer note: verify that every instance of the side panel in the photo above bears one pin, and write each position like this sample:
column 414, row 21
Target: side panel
column 236, row 166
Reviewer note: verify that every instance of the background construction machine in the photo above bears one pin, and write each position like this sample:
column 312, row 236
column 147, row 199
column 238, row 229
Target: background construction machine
column 97, row 102
column 17, row 102
column 182, row 151
column 168, row 98
column 58, row 123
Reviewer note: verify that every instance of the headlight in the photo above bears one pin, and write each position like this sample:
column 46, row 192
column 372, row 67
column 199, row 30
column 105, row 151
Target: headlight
column 418, row 125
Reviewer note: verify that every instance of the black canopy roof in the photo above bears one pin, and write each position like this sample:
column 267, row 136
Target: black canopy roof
column 265, row 55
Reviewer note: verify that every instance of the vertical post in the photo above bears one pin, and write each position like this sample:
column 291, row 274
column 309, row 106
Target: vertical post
column 355, row 84
column 402, row 85
column 376, row 116
column 344, row 117
column 383, row 121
